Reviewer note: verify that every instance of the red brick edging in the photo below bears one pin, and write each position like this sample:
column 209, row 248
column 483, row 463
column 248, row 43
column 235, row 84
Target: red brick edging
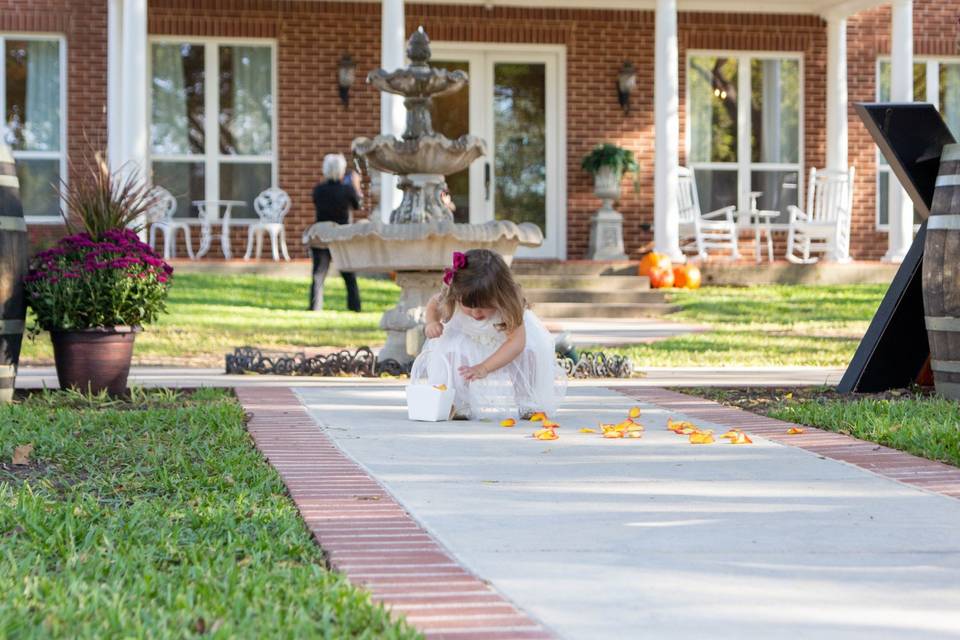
column 370, row 538
column 884, row 461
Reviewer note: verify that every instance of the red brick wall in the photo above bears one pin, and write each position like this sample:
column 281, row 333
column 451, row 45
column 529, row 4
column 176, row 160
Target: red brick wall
column 84, row 26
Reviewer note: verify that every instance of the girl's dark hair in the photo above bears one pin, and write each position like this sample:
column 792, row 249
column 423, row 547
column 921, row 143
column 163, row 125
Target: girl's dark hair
column 486, row 282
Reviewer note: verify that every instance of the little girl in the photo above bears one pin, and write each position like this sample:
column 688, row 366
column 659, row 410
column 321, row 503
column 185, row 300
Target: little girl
column 479, row 328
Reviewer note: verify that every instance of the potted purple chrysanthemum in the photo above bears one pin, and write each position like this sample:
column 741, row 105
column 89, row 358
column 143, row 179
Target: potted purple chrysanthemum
column 96, row 288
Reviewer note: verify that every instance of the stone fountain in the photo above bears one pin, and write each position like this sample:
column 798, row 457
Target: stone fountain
column 421, row 235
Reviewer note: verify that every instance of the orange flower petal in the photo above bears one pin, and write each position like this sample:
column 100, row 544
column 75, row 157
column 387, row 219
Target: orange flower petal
column 613, row 433
column 793, row 431
column 634, row 412
column 701, row 438
column 741, row 438
column 634, row 434
column 539, row 416
column 549, row 424
column 635, row 427
column 732, row 434
column 545, row 434
column 686, row 431
column 440, row 387
column 587, row 430
column 509, row 422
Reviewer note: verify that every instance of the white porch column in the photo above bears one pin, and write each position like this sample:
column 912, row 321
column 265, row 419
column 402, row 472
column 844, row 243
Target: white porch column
column 837, row 94
column 392, row 112
column 127, row 85
column 666, row 99
column 115, row 151
column 901, row 90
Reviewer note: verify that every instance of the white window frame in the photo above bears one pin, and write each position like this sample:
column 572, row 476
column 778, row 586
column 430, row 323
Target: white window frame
column 932, row 65
column 744, row 166
column 212, row 157
column 61, row 154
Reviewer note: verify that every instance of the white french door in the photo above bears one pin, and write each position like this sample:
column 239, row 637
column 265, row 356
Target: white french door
column 514, row 102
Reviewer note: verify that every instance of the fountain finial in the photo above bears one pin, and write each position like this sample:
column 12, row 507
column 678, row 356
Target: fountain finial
column 418, row 48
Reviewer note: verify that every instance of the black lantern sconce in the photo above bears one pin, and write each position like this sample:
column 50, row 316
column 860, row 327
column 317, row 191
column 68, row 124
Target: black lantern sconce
column 626, row 83
column 346, row 75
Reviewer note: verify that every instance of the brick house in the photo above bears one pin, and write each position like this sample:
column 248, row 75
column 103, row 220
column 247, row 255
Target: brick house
column 221, row 98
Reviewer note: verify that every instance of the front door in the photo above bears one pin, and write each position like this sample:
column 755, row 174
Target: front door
column 513, row 102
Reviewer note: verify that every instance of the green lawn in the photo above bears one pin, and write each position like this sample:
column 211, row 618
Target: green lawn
column 924, row 425
column 765, row 325
column 212, row 314
column 760, row 325
column 158, row 520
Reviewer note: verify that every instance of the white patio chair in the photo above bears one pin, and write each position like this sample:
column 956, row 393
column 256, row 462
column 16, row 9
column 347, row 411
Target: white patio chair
column 714, row 230
column 825, row 225
column 160, row 217
column 271, row 205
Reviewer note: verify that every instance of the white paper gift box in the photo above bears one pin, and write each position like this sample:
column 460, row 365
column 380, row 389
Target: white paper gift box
column 430, row 402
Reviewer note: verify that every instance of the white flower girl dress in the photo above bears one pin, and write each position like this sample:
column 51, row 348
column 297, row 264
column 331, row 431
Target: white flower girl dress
column 533, row 381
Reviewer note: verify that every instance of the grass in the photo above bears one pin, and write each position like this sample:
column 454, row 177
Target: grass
column 210, row 315
column 772, row 325
column 158, row 519
column 909, row 420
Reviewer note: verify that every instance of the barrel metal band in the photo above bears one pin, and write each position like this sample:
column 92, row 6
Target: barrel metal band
column 948, row 180
column 11, row 326
column 948, row 222
column 8, row 370
column 10, row 181
column 10, row 223
column 945, row 366
column 950, row 152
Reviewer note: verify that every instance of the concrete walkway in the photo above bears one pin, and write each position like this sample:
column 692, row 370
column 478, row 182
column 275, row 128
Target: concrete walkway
column 39, row 377
column 657, row 538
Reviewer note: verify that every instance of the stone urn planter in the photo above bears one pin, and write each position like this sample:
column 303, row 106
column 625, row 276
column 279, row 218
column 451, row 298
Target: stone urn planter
column 94, row 360
column 607, row 163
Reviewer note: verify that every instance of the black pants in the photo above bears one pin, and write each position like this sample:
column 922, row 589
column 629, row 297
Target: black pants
column 321, row 264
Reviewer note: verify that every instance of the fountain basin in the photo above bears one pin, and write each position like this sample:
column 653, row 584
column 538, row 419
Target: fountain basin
column 418, row 253
column 430, row 154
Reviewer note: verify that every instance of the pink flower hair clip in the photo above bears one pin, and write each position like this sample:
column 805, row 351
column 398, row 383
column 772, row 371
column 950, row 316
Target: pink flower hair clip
column 459, row 262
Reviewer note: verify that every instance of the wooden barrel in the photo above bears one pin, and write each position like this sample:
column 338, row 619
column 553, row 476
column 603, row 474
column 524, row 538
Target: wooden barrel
column 13, row 267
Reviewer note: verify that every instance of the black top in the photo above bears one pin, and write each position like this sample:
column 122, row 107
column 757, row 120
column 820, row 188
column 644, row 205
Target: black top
column 333, row 201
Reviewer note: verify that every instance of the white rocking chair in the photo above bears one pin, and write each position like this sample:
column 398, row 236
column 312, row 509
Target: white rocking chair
column 271, row 205
column 714, row 230
column 825, row 225
column 160, row 217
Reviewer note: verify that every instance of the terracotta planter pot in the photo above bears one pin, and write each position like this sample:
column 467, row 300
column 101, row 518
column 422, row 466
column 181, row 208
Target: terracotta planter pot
column 94, row 359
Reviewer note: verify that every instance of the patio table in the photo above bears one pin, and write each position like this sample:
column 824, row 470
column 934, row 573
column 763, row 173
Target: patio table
column 209, row 215
column 760, row 221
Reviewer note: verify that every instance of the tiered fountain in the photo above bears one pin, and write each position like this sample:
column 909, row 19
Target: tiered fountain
column 418, row 241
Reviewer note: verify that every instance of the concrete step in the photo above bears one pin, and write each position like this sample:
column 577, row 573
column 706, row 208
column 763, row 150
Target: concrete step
column 592, row 310
column 574, row 267
column 588, row 283
column 593, row 297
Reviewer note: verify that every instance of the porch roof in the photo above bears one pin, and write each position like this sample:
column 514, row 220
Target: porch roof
column 824, row 8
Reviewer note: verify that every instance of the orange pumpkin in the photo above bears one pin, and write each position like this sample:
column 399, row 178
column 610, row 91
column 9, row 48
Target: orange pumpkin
column 660, row 278
column 680, row 276
column 693, row 277
column 653, row 261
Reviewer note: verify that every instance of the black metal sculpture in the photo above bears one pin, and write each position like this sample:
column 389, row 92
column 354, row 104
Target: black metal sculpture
column 894, row 351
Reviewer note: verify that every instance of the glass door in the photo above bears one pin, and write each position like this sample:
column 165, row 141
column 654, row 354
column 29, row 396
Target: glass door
column 513, row 103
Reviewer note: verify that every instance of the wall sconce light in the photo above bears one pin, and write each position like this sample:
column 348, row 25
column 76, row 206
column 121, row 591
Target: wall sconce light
column 626, row 83
column 346, row 75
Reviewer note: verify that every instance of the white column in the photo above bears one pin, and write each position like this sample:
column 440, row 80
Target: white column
column 115, row 151
column 133, row 85
column 901, row 90
column 837, row 94
column 666, row 97
column 392, row 111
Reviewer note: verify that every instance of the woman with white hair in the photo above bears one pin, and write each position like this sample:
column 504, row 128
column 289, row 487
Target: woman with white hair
column 333, row 201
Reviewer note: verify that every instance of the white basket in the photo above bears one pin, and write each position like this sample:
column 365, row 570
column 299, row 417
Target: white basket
column 427, row 403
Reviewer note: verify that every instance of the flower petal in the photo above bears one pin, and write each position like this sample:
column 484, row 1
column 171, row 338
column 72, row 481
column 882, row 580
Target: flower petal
column 539, row 416
column 549, row 424
column 634, row 412
column 440, row 387
column 509, row 422
column 793, row 431
column 741, row 438
column 545, row 434
column 701, row 437
column 613, row 433
column 587, row 430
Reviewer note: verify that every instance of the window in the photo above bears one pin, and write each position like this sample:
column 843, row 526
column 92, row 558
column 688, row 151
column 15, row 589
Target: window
column 32, row 98
column 213, row 124
column 744, row 129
